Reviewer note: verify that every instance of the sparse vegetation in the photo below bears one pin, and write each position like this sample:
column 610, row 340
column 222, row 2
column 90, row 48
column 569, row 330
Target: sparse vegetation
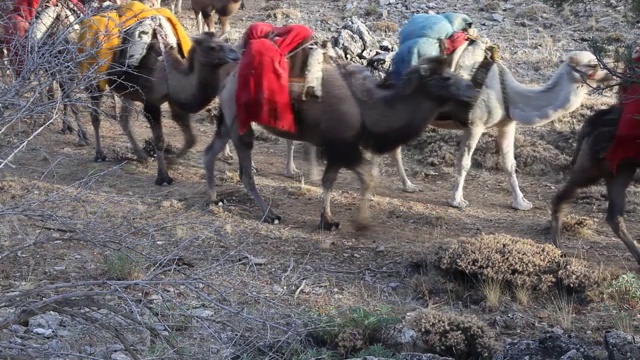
column 461, row 337
column 493, row 293
column 523, row 295
column 561, row 306
column 121, row 265
column 518, row 262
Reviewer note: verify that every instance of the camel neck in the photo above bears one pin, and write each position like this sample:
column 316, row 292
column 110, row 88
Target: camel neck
column 537, row 106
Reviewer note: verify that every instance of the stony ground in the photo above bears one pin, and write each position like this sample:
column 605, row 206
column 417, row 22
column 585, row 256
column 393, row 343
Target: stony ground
column 247, row 288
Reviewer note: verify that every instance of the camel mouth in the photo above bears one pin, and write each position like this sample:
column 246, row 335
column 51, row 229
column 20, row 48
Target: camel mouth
column 232, row 55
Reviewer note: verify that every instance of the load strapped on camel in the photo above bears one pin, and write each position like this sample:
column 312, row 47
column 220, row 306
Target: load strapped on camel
column 275, row 61
column 427, row 35
column 102, row 35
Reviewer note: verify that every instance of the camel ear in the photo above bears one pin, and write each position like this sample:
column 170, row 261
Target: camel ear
column 572, row 60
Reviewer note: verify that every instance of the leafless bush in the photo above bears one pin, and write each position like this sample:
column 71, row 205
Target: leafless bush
column 83, row 275
column 28, row 73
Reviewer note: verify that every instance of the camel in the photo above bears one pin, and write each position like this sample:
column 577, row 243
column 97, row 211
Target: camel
column 589, row 166
column 152, row 82
column 353, row 114
column 203, row 10
column 516, row 104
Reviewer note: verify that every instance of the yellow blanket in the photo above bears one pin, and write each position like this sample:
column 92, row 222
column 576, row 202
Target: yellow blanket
column 99, row 35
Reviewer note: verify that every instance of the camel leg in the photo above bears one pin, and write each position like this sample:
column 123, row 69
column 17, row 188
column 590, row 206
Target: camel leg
column 96, row 97
column 616, row 189
column 407, row 186
column 124, row 120
column 244, row 146
column 83, row 139
column 469, row 141
column 199, row 23
column 506, row 143
column 207, row 19
column 582, row 175
column 328, row 180
column 365, row 176
column 224, row 22
column 220, row 141
column 312, row 161
column 184, row 122
column 152, row 114
column 290, row 169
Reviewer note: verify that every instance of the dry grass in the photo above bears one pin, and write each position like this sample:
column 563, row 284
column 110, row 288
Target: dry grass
column 533, row 12
column 561, row 306
column 493, row 292
column 578, row 226
column 281, row 14
column 523, row 295
column 385, row 27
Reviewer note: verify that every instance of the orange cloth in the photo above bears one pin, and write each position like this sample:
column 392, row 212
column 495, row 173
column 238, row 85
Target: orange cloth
column 100, row 35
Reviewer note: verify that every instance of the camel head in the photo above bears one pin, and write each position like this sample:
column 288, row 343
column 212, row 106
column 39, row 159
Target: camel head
column 432, row 78
column 586, row 68
column 210, row 50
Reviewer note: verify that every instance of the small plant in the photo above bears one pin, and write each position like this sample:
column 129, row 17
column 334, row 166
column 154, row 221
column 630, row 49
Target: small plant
column 122, row 266
column 377, row 351
column 371, row 10
column 353, row 330
column 561, row 306
column 492, row 291
column 623, row 321
column 626, row 290
column 459, row 336
column 523, row 295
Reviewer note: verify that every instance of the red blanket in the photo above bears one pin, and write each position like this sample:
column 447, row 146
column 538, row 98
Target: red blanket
column 262, row 95
column 17, row 25
column 453, row 42
column 626, row 144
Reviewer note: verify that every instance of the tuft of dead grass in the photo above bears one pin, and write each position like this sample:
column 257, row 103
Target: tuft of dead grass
column 280, row 14
column 518, row 262
column 534, row 12
column 578, row 226
column 561, row 306
column 120, row 265
column 523, row 295
column 387, row 27
column 493, row 293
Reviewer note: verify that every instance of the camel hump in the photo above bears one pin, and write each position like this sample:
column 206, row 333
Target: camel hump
column 363, row 85
column 136, row 39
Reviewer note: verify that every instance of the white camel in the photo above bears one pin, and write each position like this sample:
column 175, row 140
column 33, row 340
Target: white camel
column 504, row 102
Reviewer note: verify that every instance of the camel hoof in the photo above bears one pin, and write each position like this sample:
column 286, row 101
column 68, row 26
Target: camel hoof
column 66, row 130
column 328, row 224
column 272, row 219
column 218, row 202
column 292, row 173
column 100, row 157
column 523, row 205
column 227, row 157
column 361, row 225
column 82, row 142
column 410, row 188
column 460, row 204
column 164, row 181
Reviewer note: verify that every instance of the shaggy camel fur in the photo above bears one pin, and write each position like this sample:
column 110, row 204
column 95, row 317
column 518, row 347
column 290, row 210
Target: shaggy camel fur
column 353, row 114
column 191, row 86
column 563, row 93
column 589, row 167
column 204, row 9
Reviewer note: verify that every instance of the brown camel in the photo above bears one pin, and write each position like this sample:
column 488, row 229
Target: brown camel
column 354, row 114
column 190, row 85
column 204, row 9
column 589, row 167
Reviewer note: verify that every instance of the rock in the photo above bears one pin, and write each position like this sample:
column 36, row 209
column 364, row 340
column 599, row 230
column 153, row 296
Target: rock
column 558, row 330
column 621, row 346
column 17, row 329
column 407, row 356
column 572, row 355
column 42, row 332
column 355, row 40
column 550, row 346
column 57, row 346
column 50, row 320
column 497, row 17
column 120, row 356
